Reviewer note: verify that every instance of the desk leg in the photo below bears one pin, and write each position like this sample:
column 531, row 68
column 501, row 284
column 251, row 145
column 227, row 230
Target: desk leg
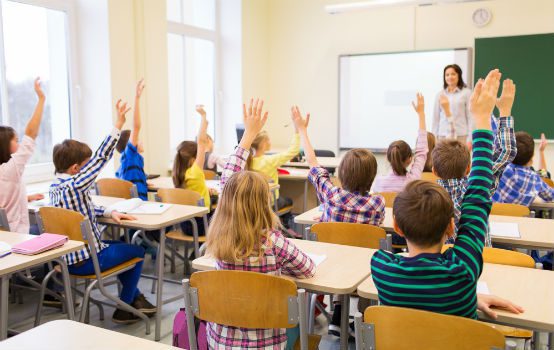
column 159, row 301
column 68, row 292
column 4, row 291
column 344, row 322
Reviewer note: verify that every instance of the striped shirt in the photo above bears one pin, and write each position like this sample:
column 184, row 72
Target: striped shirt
column 521, row 185
column 345, row 206
column 132, row 169
column 445, row 282
column 73, row 193
column 396, row 183
column 280, row 256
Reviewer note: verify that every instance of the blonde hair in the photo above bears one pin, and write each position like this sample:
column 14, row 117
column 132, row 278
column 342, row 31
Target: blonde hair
column 243, row 219
column 261, row 137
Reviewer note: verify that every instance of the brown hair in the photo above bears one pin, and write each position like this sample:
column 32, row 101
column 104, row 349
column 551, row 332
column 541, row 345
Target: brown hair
column 6, row 136
column 397, row 155
column 261, row 137
column 68, row 153
column 186, row 151
column 458, row 71
column 243, row 219
column 451, row 158
column 525, row 148
column 431, row 145
column 357, row 170
column 423, row 211
column 123, row 140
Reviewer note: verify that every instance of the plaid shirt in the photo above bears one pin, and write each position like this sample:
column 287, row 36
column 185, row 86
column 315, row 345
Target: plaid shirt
column 345, row 206
column 73, row 193
column 521, row 185
column 280, row 256
column 505, row 150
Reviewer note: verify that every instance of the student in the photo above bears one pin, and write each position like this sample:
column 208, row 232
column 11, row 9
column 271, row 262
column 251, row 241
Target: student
column 213, row 160
column 76, row 170
column 543, row 169
column 130, row 147
column 350, row 203
column 451, row 158
column 244, row 235
column 431, row 141
column 13, row 158
column 399, row 155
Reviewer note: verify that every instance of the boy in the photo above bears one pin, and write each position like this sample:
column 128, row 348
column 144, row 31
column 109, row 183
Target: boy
column 451, row 159
column 423, row 213
column 76, row 171
column 132, row 162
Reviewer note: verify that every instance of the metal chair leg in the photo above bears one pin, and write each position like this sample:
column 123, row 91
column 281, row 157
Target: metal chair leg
column 85, row 306
column 38, row 313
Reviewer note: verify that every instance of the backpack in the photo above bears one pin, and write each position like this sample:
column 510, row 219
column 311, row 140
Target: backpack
column 181, row 334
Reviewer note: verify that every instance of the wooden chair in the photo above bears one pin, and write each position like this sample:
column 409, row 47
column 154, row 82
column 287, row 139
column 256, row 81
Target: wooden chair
column 508, row 209
column 389, row 198
column 548, row 181
column 264, row 301
column 422, row 330
column 116, row 188
column 210, row 175
column 503, row 257
column 76, row 227
column 351, row 234
column 429, row 176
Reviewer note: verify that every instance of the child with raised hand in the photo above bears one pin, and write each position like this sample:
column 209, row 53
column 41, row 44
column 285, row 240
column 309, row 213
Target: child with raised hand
column 245, row 235
column 543, row 169
column 399, row 155
column 14, row 156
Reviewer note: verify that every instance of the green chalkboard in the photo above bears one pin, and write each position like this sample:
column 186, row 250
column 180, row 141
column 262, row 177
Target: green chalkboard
column 529, row 61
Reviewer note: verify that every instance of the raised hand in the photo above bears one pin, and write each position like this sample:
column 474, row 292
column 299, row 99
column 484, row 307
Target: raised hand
column 200, row 109
column 419, row 108
column 300, row 122
column 38, row 89
column 254, row 120
column 543, row 144
column 505, row 102
column 445, row 104
column 122, row 109
column 139, row 89
column 483, row 99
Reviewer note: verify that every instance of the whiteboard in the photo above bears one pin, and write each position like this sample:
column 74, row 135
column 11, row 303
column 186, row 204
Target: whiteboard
column 376, row 91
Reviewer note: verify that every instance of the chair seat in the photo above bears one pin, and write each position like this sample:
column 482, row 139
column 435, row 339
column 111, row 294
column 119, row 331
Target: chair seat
column 179, row 236
column 511, row 331
column 108, row 272
column 284, row 210
column 313, row 342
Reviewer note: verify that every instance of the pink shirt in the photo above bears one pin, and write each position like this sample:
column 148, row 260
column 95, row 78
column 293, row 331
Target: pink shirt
column 13, row 195
column 395, row 183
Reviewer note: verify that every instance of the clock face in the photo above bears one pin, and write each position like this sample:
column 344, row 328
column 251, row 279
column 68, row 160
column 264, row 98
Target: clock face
column 481, row 17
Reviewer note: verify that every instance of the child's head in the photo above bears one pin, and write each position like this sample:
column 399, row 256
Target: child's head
column 70, row 156
column 260, row 145
column 357, row 170
column 451, row 160
column 185, row 157
column 124, row 140
column 525, row 149
column 8, row 143
column 399, row 156
column 423, row 213
column 431, row 146
column 243, row 218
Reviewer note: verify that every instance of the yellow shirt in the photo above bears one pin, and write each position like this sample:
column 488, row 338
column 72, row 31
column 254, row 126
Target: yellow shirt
column 268, row 164
column 196, row 181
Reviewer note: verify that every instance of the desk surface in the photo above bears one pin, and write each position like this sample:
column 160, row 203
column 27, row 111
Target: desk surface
column 326, row 162
column 71, row 335
column 167, row 182
column 295, row 174
column 17, row 262
column 340, row 273
column 530, row 288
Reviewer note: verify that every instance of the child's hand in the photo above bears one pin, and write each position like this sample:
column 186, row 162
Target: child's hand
column 483, row 99
column 200, row 109
column 485, row 303
column 445, row 104
column 253, row 117
column 419, row 108
column 118, row 217
column 506, row 100
column 140, row 88
column 543, row 144
column 300, row 123
column 38, row 89
column 35, row 197
column 122, row 109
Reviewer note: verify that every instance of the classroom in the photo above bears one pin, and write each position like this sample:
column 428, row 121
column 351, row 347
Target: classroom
column 276, row 174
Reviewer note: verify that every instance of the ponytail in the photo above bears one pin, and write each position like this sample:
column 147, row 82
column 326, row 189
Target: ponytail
column 397, row 155
column 186, row 152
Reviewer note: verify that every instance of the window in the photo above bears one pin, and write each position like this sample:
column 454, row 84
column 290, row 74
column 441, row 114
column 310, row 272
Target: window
column 192, row 52
column 34, row 43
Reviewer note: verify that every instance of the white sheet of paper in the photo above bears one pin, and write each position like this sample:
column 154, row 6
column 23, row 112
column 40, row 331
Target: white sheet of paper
column 150, row 208
column 5, row 249
column 504, row 229
column 318, row 259
column 483, row 288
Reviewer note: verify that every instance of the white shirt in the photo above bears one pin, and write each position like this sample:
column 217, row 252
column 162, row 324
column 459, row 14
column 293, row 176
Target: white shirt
column 460, row 118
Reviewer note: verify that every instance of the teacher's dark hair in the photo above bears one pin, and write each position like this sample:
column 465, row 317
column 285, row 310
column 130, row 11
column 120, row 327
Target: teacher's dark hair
column 458, row 71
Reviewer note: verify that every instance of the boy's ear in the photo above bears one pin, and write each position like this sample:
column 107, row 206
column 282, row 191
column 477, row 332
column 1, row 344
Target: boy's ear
column 433, row 171
column 396, row 228
column 449, row 232
column 468, row 169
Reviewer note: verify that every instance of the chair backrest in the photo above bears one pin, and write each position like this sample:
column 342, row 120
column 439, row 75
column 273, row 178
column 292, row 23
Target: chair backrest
column 389, row 198
column 429, row 176
column 508, row 209
column 210, row 174
column 4, row 223
column 324, row 153
column 179, row 196
column 115, row 188
column 345, row 233
column 62, row 221
column 548, row 181
column 503, row 257
column 427, row 330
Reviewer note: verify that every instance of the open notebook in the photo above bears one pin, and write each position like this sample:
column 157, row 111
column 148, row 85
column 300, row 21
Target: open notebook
column 138, row 206
column 5, row 249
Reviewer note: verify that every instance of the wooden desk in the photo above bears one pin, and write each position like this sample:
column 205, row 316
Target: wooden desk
column 539, row 204
column 340, row 273
column 326, row 162
column 530, row 288
column 167, row 182
column 71, row 335
column 17, row 262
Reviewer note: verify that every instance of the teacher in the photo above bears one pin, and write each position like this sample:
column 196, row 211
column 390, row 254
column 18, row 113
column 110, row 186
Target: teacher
column 451, row 117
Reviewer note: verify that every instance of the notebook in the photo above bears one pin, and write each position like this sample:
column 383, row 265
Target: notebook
column 138, row 206
column 5, row 249
column 39, row 244
column 318, row 259
column 504, row 229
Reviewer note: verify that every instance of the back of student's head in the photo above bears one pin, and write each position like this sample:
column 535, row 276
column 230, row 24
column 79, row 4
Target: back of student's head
column 262, row 137
column 123, row 140
column 69, row 153
column 243, row 218
column 525, row 148
column 7, row 134
column 357, row 170
column 451, row 159
column 186, row 152
column 423, row 212
column 398, row 154
column 431, row 145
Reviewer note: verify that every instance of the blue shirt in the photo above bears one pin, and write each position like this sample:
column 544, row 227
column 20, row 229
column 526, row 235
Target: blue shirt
column 132, row 169
column 520, row 185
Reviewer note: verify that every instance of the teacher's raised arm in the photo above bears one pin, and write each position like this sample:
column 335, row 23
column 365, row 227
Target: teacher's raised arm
column 451, row 119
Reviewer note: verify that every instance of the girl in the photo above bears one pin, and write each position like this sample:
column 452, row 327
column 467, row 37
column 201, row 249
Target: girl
column 13, row 158
column 400, row 157
column 244, row 235
column 431, row 141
